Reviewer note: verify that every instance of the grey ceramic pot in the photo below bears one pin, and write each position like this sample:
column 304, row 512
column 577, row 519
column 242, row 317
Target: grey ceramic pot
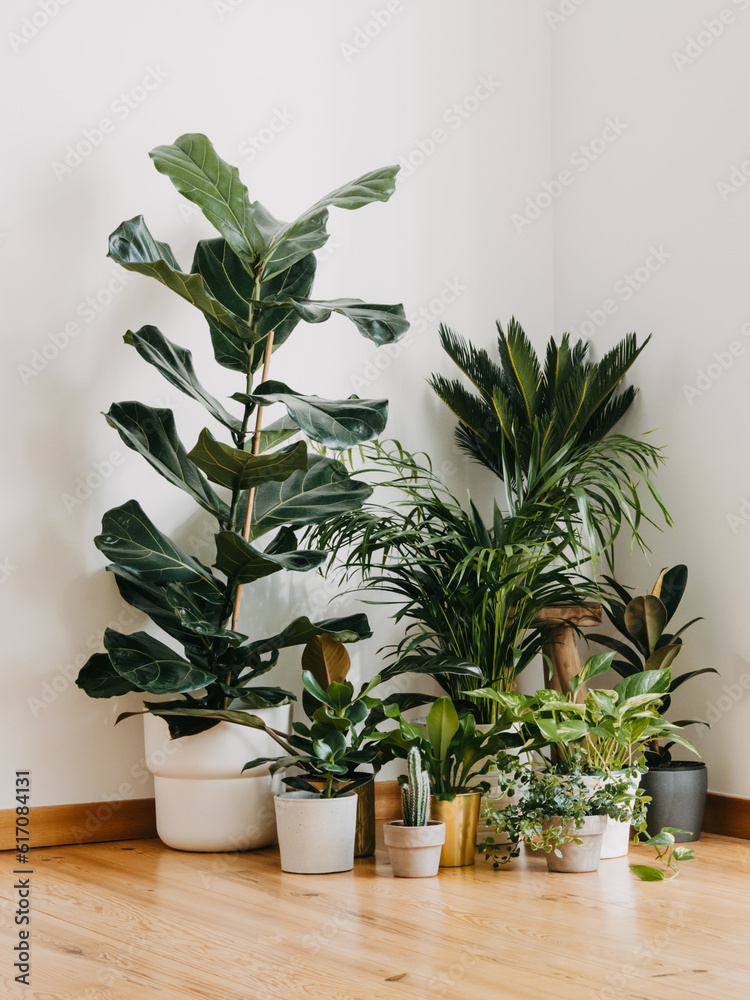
column 678, row 793
column 583, row 857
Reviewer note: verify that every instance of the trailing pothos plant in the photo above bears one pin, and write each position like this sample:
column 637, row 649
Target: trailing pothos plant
column 252, row 284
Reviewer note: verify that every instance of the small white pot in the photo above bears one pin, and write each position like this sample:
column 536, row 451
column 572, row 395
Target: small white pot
column 414, row 850
column 616, row 842
column 316, row 835
column 203, row 800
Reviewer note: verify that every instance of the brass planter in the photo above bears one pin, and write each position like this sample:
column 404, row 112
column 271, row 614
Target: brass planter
column 460, row 817
column 364, row 839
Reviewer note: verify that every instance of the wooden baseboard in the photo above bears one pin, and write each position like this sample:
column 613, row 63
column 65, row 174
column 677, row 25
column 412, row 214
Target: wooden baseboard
column 82, row 823
column 728, row 815
column 135, row 819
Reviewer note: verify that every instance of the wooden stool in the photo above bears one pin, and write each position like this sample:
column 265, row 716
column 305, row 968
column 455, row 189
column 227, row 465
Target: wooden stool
column 560, row 621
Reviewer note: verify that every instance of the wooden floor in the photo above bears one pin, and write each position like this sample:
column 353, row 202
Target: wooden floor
column 135, row 921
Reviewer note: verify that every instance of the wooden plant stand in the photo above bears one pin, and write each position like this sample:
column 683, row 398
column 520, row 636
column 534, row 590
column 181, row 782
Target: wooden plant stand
column 561, row 621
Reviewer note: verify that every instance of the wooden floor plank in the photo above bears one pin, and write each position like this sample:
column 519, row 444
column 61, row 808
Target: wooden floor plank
column 136, row 921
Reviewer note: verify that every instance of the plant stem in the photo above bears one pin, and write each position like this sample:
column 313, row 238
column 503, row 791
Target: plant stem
column 251, row 493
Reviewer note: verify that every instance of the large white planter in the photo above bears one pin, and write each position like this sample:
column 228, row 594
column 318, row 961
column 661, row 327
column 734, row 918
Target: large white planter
column 616, row 841
column 316, row 835
column 203, row 800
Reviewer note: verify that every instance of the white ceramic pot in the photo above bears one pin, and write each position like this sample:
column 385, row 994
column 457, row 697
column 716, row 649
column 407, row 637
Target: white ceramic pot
column 203, row 800
column 616, row 841
column 414, row 850
column 316, row 835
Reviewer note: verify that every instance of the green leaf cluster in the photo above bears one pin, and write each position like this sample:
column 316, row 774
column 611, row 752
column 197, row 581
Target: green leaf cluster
column 252, row 283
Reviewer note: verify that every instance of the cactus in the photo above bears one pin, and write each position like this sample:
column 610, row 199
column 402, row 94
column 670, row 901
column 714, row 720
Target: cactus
column 415, row 794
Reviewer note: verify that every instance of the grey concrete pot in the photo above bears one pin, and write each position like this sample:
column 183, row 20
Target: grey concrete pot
column 414, row 850
column 583, row 857
column 678, row 793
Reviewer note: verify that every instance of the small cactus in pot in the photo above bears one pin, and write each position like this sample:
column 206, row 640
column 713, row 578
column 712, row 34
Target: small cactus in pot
column 415, row 842
column 415, row 792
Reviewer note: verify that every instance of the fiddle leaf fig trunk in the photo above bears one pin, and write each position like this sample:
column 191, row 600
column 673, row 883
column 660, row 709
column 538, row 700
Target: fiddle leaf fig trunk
column 252, row 284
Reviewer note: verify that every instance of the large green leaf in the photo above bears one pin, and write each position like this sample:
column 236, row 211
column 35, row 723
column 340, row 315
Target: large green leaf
column 230, row 350
column 176, row 365
column 646, row 619
column 350, row 628
column 152, row 600
column 377, row 185
column 152, row 666
column 296, row 282
column 243, row 563
column 226, row 279
column 275, row 434
column 380, row 323
column 153, row 434
column 335, row 423
column 131, row 541
column 307, row 237
column 200, row 174
column 309, row 497
column 238, row 469
column 133, row 247
column 673, row 586
column 99, row 679
column 442, row 726
column 646, row 682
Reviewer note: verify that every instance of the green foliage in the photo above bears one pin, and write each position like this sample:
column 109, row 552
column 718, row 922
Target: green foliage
column 642, row 622
column 469, row 592
column 415, row 792
column 544, row 429
column 253, row 281
column 667, row 852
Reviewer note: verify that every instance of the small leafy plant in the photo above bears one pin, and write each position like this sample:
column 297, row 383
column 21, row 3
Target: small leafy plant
column 668, row 852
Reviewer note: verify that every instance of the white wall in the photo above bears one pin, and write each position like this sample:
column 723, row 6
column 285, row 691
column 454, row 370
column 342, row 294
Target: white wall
column 238, row 68
column 227, row 69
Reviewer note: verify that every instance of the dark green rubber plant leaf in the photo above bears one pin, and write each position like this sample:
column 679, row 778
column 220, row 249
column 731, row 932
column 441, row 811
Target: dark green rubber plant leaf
column 131, row 541
column 152, row 433
column 200, row 174
column 239, row 469
column 335, row 423
column 176, row 365
column 99, row 679
column 308, row 497
column 350, row 628
column 242, row 563
column 152, row 666
column 133, row 247
column 383, row 324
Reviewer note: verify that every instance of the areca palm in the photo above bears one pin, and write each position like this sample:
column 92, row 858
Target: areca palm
column 544, row 428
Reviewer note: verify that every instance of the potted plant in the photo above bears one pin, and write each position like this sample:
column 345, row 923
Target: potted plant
column 559, row 814
column 456, row 753
column 602, row 736
column 677, row 787
column 259, row 488
column 317, row 818
column 415, row 842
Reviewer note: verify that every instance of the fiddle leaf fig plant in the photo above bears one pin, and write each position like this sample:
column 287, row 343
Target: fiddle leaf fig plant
column 252, row 283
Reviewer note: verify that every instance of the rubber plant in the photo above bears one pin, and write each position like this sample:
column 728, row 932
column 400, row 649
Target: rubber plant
column 252, row 284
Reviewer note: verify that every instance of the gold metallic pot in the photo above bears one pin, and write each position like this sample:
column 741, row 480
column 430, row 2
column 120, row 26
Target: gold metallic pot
column 460, row 817
column 364, row 839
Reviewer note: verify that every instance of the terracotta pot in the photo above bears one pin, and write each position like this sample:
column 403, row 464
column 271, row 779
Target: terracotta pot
column 414, row 850
column 583, row 857
column 460, row 817
column 316, row 835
